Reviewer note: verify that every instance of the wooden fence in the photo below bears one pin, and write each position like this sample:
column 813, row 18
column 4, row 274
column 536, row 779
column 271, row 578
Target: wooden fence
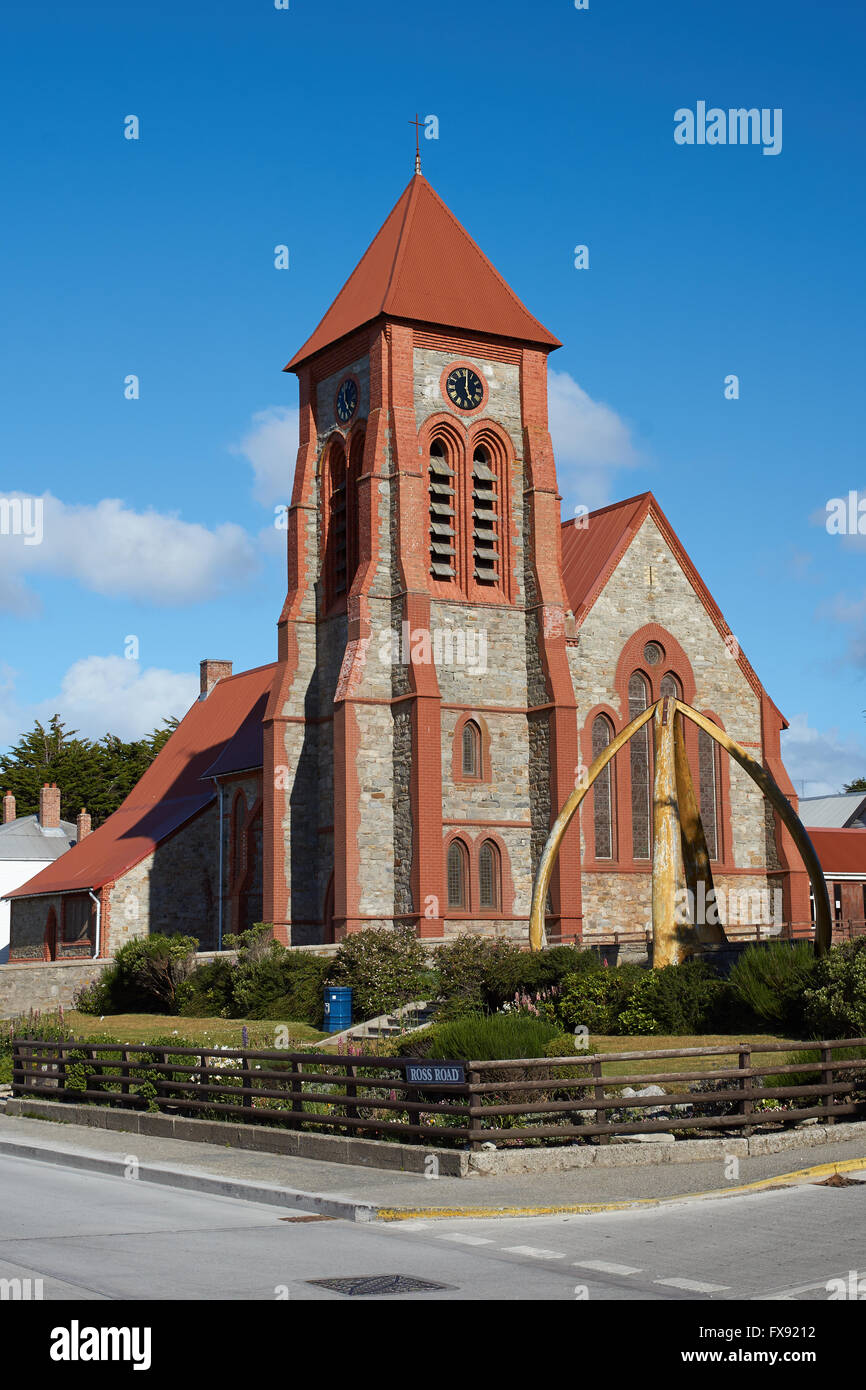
column 564, row 1098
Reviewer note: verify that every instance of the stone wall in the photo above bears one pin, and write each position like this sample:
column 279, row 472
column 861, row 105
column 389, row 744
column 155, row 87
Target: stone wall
column 175, row 888
column 43, row 987
column 631, row 599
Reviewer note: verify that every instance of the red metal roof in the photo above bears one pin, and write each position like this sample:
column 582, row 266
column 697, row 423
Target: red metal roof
column 840, row 851
column 423, row 265
column 169, row 793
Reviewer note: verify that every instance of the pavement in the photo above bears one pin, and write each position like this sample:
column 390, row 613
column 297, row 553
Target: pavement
column 371, row 1194
column 68, row 1235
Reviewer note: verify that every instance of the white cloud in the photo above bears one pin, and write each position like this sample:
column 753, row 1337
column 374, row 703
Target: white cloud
column 590, row 442
column 821, row 761
column 106, row 694
column 110, row 549
column 270, row 447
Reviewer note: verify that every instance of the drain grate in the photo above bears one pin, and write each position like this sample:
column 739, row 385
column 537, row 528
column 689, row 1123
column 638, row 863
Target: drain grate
column 379, row 1284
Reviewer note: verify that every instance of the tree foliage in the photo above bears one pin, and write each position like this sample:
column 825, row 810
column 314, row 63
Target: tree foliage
column 97, row 775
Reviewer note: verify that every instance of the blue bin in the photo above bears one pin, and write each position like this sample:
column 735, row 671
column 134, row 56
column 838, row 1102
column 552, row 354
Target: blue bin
column 338, row 1008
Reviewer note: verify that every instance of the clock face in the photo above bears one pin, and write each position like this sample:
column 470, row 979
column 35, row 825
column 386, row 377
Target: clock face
column 465, row 388
column 347, row 399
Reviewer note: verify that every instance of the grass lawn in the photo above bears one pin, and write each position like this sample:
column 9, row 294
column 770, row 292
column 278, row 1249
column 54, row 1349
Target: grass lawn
column 643, row 1043
column 212, row 1032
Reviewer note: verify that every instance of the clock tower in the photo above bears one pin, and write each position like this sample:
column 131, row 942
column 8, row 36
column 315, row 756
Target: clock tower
column 421, row 730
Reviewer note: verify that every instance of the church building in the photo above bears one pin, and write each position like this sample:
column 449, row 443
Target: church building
column 450, row 657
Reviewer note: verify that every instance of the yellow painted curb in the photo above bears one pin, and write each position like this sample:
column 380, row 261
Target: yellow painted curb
column 801, row 1175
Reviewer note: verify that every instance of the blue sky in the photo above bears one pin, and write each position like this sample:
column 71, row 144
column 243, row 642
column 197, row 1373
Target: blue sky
column 262, row 126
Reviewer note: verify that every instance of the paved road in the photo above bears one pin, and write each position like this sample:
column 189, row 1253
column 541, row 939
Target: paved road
column 89, row 1236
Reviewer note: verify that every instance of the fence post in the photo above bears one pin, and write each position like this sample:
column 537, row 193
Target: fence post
column 598, row 1092
column 124, row 1072
column 745, row 1105
column 827, row 1079
column 351, row 1094
column 246, row 1084
column 473, row 1078
column 161, row 1079
column 298, row 1104
column 202, row 1078
column 61, row 1070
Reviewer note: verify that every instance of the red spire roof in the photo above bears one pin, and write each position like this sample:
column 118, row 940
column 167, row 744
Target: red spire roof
column 423, row 265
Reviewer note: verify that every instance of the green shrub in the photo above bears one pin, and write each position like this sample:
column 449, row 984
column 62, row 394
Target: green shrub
column 596, row 999
column 770, row 981
column 385, row 968
column 834, row 1004
column 146, row 976
column 482, row 1038
column 96, row 997
column 478, row 975
column 209, row 991
column 675, row 999
column 475, row 975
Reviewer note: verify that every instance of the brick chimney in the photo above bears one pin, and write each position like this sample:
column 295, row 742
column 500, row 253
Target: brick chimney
column 8, row 808
column 49, row 806
column 211, row 672
column 82, row 824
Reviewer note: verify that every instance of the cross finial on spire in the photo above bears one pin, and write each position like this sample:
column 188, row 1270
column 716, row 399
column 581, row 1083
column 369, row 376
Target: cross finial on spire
column 417, row 124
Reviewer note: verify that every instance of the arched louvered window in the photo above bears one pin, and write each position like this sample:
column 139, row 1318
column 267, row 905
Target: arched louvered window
column 486, row 520
column 641, row 833
column 488, row 875
column 443, row 517
column 670, row 686
column 470, row 761
column 708, row 781
column 353, row 473
column 603, row 811
column 336, row 553
column 457, row 875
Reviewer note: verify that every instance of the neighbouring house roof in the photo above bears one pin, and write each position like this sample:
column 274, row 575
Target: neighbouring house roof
column 840, row 812
column 26, row 839
column 593, row 545
column 173, row 789
column 840, row 851
column 424, row 266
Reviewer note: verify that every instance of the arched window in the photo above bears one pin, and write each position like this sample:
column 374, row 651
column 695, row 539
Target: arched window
column 443, row 517
column 239, row 815
column 486, row 520
column 353, row 473
column 470, row 761
column 457, row 875
column 670, row 686
column 638, row 699
column 489, row 880
column 602, row 791
column 708, row 780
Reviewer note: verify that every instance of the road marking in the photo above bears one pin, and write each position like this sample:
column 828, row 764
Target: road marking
column 693, row 1285
column 533, row 1253
column 604, row 1267
column 466, row 1239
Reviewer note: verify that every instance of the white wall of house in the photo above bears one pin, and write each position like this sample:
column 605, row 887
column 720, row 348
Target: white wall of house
column 14, row 872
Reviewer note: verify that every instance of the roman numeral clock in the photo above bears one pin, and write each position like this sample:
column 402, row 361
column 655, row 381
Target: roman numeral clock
column 464, row 388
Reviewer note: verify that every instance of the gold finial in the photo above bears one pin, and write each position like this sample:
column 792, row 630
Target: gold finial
column 417, row 124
